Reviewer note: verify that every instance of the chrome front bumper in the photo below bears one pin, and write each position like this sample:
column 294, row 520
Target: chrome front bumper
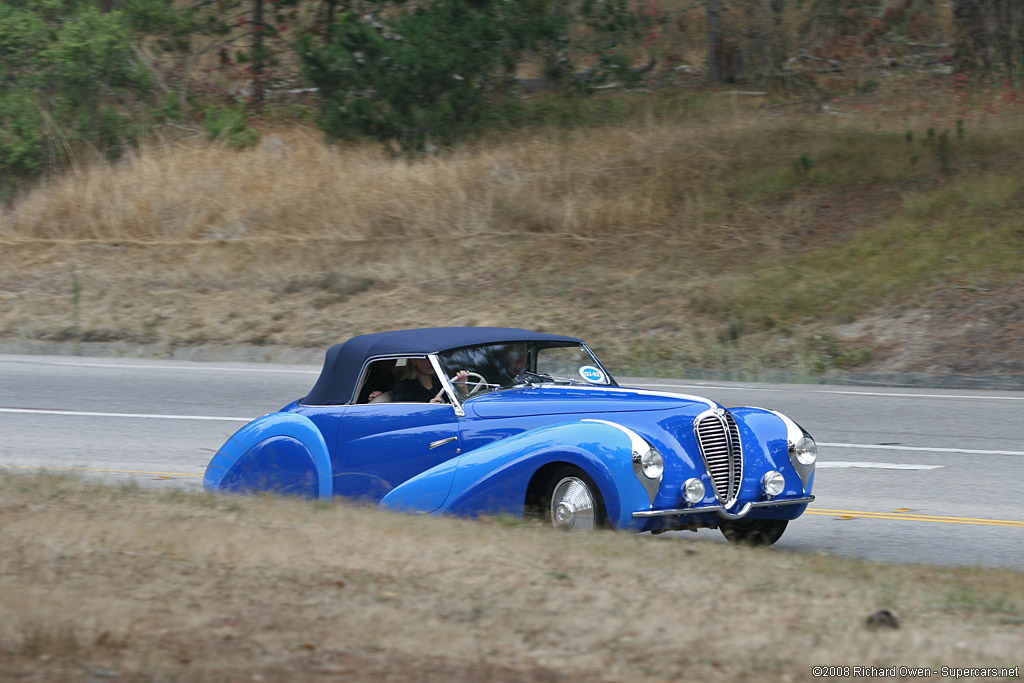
column 721, row 511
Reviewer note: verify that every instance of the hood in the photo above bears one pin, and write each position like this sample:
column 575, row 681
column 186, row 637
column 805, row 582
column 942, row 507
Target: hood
column 575, row 400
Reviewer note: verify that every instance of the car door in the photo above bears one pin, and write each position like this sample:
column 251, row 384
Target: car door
column 379, row 446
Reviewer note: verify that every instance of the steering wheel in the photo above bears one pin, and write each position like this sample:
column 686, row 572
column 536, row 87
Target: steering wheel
column 478, row 381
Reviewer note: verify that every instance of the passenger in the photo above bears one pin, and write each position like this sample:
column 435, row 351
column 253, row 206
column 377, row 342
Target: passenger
column 421, row 385
column 381, row 378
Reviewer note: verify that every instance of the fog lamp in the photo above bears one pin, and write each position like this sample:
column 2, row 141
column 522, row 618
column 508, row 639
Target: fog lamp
column 693, row 491
column 773, row 483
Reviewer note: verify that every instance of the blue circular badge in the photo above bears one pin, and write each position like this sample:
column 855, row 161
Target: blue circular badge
column 592, row 374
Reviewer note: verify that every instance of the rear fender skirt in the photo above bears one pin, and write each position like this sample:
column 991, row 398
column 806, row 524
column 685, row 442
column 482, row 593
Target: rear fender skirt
column 494, row 478
column 282, row 452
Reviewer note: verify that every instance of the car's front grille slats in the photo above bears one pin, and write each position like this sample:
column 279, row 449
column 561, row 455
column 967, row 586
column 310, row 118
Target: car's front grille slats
column 719, row 440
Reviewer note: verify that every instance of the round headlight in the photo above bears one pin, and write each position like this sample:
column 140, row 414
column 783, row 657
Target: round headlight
column 693, row 491
column 805, row 451
column 652, row 464
column 773, row 483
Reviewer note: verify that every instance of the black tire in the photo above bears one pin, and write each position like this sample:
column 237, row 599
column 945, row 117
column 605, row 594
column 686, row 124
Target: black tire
column 754, row 532
column 566, row 495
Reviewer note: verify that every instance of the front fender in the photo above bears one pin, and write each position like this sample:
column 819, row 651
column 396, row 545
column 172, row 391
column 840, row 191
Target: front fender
column 494, row 478
column 766, row 436
column 283, row 453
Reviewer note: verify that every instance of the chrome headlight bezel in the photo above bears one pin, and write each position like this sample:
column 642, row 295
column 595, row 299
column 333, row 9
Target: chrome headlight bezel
column 648, row 466
column 805, row 451
column 652, row 464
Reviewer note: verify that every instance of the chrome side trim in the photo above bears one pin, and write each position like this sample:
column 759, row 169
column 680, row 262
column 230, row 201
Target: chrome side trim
column 719, row 510
column 436, row 444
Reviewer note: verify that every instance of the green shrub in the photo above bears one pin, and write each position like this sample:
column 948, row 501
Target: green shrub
column 21, row 140
column 70, row 79
column 228, row 125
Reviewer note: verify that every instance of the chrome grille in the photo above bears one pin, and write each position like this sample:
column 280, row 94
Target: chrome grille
column 719, row 440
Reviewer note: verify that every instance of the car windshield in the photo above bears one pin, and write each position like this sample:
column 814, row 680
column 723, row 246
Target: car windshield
column 501, row 366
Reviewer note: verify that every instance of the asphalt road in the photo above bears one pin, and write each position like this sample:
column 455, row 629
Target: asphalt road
column 905, row 475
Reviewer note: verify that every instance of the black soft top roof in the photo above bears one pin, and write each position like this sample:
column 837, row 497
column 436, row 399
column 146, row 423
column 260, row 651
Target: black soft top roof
column 344, row 362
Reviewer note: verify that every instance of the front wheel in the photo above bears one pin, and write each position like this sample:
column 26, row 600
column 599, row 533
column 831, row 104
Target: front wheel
column 574, row 502
column 759, row 532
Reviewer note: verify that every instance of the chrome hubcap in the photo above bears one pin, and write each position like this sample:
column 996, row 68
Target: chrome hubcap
column 572, row 506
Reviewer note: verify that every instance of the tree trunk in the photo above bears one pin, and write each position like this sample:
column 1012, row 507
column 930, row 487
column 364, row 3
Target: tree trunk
column 332, row 6
column 715, row 47
column 257, row 50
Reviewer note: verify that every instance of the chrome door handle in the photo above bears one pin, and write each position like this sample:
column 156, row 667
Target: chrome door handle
column 435, row 444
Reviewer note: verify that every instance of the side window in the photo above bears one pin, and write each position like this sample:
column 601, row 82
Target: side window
column 402, row 380
column 380, row 380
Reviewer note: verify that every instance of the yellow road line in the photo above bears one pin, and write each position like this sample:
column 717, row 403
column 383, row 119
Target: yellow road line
column 907, row 517
column 89, row 469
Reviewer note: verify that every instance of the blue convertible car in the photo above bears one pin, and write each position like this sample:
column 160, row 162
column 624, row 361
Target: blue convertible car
column 506, row 421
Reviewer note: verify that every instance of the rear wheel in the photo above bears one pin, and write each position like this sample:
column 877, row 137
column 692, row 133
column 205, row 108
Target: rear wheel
column 754, row 531
column 573, row 501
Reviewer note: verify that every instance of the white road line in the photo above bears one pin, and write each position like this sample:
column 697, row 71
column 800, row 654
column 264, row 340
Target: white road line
column 795, row 388
column 920, row 449
column 131, row 366
column 698, row 386
column 153, row 416
column 82, row 413
column 957, row 396
column 838, row 464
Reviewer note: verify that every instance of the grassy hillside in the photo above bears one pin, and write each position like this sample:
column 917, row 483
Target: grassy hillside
column 678, row 233
column 114, row 583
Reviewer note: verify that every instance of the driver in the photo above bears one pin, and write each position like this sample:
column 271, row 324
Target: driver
column 515, row 363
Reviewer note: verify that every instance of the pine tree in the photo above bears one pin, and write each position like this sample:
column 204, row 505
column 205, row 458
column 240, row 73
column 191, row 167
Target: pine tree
column 430, row 75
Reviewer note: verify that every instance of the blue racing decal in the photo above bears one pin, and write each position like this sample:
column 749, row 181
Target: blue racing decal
column 593, row 375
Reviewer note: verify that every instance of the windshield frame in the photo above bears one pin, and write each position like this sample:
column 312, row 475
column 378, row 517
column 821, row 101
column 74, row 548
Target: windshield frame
column 448, row 362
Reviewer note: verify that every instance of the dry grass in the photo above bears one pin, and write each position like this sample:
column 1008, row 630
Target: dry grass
column 121, row 583
column 649, row 239
column 585, row 183
column 298, row 243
